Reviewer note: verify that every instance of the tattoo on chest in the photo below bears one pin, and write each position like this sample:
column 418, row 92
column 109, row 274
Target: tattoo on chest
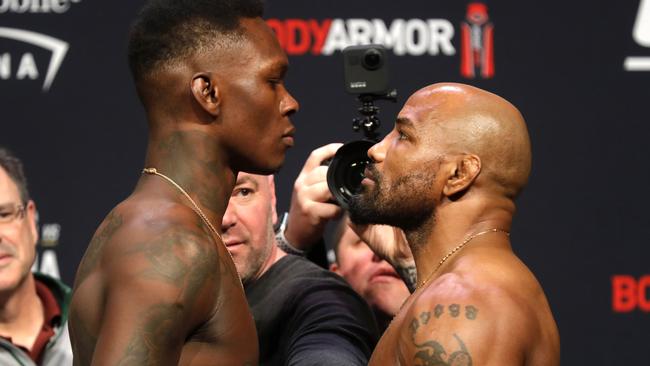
column 431, row 352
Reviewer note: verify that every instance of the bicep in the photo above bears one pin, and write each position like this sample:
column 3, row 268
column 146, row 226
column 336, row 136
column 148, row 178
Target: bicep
column 156, row 293
column 140, row 326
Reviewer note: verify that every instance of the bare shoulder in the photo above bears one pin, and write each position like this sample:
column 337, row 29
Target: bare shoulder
column 147, row 232
column 153, row 273
column 475, row 317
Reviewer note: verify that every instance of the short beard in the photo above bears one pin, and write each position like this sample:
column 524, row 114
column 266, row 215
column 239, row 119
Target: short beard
column 257, row 257
column 406, row 204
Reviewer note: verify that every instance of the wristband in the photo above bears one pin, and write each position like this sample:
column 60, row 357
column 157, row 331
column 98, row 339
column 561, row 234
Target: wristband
column 282, row 242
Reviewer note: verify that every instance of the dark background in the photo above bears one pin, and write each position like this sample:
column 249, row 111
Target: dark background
column 582, row 219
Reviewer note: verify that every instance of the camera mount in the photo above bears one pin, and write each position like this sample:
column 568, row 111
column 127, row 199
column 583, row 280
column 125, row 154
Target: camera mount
column 369, row 123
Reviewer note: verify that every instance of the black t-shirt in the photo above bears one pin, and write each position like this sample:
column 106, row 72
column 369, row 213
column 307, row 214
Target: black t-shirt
column 306, row 315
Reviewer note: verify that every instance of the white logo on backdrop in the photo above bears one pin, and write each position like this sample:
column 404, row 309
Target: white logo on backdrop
column 48, row 262
column 405, row 37
column 641, row 35
column 35, row 6
column 27, row 66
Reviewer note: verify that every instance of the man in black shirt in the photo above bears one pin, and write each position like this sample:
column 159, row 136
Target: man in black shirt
column 304, row 314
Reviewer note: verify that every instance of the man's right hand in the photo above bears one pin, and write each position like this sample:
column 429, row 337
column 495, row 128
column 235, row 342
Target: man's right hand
column 311, row 202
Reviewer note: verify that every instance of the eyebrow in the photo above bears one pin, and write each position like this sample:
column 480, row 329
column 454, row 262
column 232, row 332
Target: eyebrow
column 280, row 67
column 405, row 122
column 247, row 179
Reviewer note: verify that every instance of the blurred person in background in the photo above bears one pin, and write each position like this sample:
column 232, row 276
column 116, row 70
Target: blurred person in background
column 33, row 306
column 369, row 275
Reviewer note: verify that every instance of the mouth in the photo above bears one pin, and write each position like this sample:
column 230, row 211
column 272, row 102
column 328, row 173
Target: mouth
column 288, row 140
column 370, row 172
column 368, row 176
column 288, row 136
column 5, row 258
column 231, row 243
column 384, row 274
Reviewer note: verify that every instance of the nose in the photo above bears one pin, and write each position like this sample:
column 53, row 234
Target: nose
column 229, row 218
column 375, row 258
column 288, row 105
column 378, row 151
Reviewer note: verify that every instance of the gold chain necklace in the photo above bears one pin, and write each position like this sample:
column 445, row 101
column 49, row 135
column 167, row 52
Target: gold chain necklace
column 459, row 247
column 196, row 209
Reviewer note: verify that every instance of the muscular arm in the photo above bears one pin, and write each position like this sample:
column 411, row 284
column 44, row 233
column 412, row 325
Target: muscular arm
column 464, row 330
column 158, row 290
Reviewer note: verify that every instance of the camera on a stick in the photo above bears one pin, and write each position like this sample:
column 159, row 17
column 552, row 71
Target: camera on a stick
column 366, row 76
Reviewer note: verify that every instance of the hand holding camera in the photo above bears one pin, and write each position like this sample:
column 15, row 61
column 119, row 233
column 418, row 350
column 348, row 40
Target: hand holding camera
column 312, row 203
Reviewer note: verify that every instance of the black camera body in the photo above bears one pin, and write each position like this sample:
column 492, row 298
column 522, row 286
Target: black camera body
column 366, row 75
column 365, row 70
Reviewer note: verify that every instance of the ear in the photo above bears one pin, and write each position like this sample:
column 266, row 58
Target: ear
column 274, row 210
column 335, row 268
column 206, row 93
column 31, row 213
column 465, row 170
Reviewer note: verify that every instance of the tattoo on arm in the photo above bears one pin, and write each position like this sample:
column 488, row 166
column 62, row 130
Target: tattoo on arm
column 432, row 353
column 410, row 276
column 180, row 259
column 111, row 224
column 145, row 347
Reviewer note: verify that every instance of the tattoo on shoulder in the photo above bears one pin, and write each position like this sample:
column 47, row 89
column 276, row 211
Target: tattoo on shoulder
column 180, row 258
column 410, row 276
column 111, row 224
column 432, row 353
column 469, row 312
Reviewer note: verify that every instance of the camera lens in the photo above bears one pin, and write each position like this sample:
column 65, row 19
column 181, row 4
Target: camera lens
column 372, row 59
column 345, row 172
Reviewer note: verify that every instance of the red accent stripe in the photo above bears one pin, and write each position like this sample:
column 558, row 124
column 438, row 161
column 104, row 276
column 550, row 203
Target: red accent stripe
column 466, row 56
column 488, row 52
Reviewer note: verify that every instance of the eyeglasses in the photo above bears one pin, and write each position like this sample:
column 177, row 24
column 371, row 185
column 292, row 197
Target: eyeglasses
column 8, row 214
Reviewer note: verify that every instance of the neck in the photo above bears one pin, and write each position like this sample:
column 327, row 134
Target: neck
column 450, row 226
column 21, row 313
column 194, row 160
column 275, row 255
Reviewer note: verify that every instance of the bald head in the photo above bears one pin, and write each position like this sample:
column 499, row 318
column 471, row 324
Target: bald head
column 468, row 120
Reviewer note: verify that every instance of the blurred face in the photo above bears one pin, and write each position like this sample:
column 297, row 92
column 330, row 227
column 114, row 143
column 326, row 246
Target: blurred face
column 401, row 186
column 374, row 279
column 247, row 225
column 18, row 236
column 255, row 103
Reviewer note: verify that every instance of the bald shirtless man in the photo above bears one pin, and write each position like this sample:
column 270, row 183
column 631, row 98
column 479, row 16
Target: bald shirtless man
column 447, row 175
column 157, row 285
